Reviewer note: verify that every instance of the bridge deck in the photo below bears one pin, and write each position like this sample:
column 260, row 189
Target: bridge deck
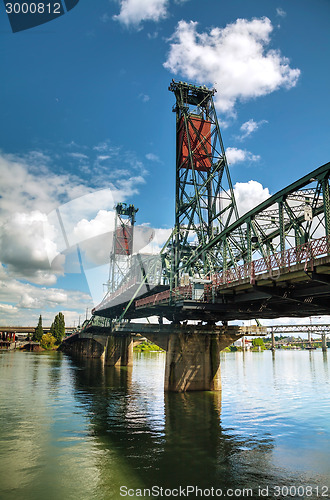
column 299, row 290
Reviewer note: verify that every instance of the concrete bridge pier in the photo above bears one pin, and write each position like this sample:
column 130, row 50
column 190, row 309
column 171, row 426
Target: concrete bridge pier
column 192, row 351
column 273, row 342
column 119, row 350
column 310, row 338
column 324, row 342
column 193, row 360
column 113, row 349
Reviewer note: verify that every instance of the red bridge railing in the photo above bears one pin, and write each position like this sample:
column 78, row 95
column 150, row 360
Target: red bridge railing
column 275, row 262
column 180, row 292
column 273, row 265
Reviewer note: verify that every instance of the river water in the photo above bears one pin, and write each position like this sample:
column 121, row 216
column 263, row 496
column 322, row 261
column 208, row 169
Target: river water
column 73, row 429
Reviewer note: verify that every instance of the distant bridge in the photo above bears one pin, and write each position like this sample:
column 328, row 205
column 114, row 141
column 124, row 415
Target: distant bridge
column 29, row 329
column 317, row 329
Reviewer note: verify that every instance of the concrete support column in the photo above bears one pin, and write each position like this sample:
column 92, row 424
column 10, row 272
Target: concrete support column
column 193, row 363
column 273, row 341
column 324, row 342
column 193, row 360
column 119, row 351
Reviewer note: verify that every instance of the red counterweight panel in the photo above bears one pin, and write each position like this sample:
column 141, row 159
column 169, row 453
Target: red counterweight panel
column 124, row 240
column 200, row 142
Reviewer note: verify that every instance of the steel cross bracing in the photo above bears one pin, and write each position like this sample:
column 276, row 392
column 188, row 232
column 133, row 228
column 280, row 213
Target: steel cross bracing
column 292, row 217
column 208, row 236
column 204, row 200
column 120, row 257
column 317, row 329
column 286, row 236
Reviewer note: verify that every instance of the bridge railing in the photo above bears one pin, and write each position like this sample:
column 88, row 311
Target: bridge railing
column 179, row 293
column 275, row 262
column 157, row 298
column 111, row 296
column 273, row 265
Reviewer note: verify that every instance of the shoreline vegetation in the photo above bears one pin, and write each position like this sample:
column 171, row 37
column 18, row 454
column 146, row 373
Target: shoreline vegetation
column 298, row 346
column 147, row 346
column 50, row 341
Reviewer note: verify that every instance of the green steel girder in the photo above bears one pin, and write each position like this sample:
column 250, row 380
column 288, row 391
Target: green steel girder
column 326, row 198
column 288, row 224
column 287, row 217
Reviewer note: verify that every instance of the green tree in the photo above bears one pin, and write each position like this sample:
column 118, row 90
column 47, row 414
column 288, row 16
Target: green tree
column 57, row 328
column 39, row 331
column 47, row 341
column 258, row 343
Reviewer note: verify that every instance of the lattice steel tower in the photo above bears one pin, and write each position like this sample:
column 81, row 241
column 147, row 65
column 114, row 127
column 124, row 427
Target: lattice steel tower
column 204, row 199
column 122, row 247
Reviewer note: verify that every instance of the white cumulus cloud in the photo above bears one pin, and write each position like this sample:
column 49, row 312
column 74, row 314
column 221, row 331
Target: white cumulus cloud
column 44, row 214
column 234, row 59
column 249, row 194
column 21, row 303
column 26, row 241
column 133, row 12
column 236, row 155
column 8, row 309
column 144, row 97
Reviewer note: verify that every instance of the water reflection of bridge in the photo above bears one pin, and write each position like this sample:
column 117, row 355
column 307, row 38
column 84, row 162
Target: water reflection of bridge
column 163, row 439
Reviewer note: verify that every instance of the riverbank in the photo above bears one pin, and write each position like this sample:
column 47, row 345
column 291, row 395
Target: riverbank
column 147, row 346
column 293, row 347
column 21, row 345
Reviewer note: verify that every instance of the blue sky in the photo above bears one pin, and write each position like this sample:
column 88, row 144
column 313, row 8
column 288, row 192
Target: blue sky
column 86, row 109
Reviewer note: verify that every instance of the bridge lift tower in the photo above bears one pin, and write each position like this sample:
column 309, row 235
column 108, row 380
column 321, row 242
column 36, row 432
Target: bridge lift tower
column 122, row 246
column 204, row 197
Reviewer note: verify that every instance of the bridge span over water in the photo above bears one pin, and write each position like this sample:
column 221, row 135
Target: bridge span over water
column 272, row 262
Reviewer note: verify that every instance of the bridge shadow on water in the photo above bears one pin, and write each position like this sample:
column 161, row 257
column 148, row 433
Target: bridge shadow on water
column 172, row 439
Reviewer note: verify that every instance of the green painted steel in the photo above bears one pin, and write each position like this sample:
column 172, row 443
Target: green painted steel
column 280, row 220
column 326, row 198
column 204, row 199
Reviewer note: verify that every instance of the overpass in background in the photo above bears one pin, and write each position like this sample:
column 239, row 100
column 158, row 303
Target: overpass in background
column 29, row 329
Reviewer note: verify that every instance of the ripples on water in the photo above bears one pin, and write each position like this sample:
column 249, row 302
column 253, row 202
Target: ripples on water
column 74, row 429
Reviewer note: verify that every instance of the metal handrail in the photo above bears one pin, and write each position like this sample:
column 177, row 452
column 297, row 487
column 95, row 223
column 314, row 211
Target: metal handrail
column 281, row 260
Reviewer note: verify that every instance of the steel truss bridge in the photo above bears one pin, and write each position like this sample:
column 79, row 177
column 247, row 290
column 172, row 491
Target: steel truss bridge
column 273, row 261
column 317, row 329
